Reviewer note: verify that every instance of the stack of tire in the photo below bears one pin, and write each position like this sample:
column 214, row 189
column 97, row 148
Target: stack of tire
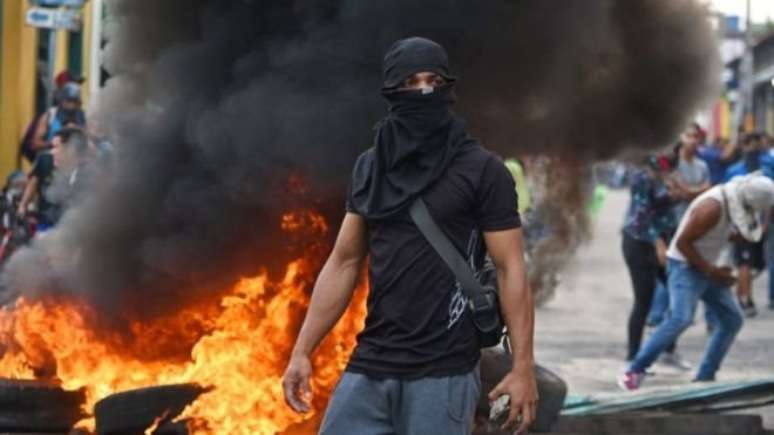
column 495, row 364
column 133, row 412
column 33, row 407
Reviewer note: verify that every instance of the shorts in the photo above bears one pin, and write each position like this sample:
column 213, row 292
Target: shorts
column 366, row 406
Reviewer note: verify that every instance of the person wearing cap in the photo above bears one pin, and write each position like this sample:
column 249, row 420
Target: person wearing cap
column 65, row 76
column 699, row 269
column 415, row 367
column 62, row 79
column 67, row 112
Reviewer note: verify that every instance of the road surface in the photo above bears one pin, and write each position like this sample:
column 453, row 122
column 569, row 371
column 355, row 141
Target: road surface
column 581, row 333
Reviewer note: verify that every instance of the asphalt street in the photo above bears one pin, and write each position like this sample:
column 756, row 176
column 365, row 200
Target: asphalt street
column 581, row 333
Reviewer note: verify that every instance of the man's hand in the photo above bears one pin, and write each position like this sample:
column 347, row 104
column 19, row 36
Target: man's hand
column 677, row 190
column 661, row 252
column 737, row 238
column 521, row 387
column 722, row 275
column 507, row 251
column 295, row 383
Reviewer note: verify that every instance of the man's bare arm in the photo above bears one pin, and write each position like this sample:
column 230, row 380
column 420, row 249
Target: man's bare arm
column 728, row 153
column 690, row 193
column 335, row 284
column 517, row 306
column 330, row 298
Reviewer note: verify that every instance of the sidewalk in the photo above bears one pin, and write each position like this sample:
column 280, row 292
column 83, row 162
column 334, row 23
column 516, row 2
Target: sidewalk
column 581, row 334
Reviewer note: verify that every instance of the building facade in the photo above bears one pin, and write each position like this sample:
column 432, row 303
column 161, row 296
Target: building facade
column 763, row 97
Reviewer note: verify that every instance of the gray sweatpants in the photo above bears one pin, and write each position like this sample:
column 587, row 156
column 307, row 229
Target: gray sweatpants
column 365, row 406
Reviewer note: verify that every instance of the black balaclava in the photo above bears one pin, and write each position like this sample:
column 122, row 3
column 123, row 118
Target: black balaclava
column 416, row 141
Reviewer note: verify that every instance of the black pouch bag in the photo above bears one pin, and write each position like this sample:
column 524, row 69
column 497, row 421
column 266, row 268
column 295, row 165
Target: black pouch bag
column 480, row 290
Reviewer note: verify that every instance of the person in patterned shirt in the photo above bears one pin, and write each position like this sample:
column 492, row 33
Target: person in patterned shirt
column 648, row 226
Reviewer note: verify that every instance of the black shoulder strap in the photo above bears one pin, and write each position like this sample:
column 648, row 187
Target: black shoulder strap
column 450, row 255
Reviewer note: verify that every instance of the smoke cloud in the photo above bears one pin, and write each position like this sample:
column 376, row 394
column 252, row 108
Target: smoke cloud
column 214, row 105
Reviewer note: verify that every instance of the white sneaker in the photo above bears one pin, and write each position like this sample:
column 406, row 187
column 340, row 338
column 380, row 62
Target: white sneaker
column 675, row 360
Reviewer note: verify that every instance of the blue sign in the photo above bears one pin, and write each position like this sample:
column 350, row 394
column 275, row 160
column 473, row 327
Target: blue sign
column 58, row 3
column 59, row 19
column 733, row 24
column 41, row 18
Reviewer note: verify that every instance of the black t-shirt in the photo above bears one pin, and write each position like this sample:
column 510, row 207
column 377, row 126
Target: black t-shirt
column 43, row 170
column 418, row 323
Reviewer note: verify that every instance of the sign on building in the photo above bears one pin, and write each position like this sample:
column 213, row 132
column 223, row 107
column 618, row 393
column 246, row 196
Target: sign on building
column 59, row 19
column 58, row 3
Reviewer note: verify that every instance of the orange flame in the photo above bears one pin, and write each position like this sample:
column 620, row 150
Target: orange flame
column 241, row 347
column 156, row 423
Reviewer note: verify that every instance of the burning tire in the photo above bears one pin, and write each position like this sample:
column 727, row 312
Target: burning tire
column 495, row 364
column 132, row 412
column 32, row 406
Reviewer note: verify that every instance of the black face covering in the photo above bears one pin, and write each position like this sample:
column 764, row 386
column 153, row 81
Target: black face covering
column 418, row 139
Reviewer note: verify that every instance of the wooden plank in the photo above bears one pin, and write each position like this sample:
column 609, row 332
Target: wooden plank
column 677, row 424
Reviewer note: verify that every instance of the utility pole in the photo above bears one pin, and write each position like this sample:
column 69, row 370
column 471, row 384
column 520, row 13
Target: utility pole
column 51, row 73
column 744, row 109
column 95, row 67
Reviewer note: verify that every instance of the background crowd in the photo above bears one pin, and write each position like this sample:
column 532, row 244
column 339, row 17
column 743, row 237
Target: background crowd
column 59, row 156
column 662, row 188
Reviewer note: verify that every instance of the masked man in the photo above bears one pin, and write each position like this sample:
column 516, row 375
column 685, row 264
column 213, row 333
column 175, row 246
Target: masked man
column 698, row 259
column 415, row 367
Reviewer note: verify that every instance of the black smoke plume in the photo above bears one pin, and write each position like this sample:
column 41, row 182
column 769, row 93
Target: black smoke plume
column 214, row 105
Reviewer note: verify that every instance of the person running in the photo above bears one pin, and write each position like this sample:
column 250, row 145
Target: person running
column 698, row 270
column 415, row 367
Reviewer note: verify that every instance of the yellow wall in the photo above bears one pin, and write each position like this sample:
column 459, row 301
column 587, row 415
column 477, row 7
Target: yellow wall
column 17, row 82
